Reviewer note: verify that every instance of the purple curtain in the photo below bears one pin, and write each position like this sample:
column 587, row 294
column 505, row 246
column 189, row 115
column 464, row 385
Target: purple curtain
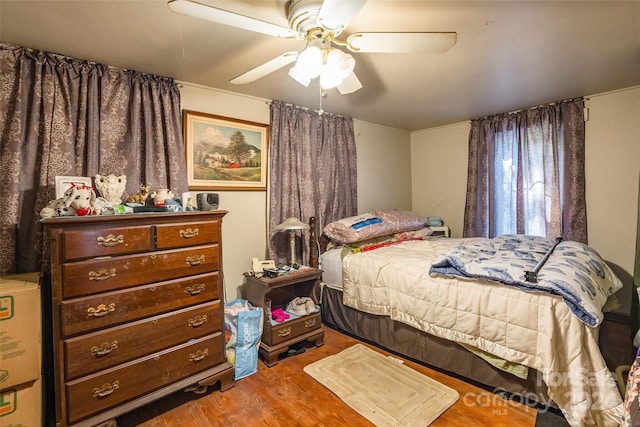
column 526, row 173
column 312, row 172
column 61, row 116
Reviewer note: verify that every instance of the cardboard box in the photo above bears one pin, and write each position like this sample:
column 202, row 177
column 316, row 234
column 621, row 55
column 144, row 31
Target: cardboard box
column 21, row 406
column 20, row 329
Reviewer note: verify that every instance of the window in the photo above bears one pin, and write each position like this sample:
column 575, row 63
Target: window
column 526, row 173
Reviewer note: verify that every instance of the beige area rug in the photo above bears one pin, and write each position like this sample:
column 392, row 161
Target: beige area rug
column 381, row 389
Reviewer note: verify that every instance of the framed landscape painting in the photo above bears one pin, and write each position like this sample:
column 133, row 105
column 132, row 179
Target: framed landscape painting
column 223, row 153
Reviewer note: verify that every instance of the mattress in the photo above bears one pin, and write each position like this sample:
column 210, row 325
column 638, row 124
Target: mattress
column 331, row 266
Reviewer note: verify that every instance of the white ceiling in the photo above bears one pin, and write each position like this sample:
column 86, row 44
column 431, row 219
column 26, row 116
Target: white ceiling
column 509, row 55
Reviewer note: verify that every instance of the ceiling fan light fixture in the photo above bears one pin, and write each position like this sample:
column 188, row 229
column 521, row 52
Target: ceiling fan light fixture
column 298, row 76
column 341, row 64
column 309, row 62
column 349, row 85
column 328, row 79
column 337, row 66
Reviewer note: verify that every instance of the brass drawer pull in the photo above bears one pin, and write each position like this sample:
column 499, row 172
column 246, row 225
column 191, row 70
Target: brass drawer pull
column 309, row 323
column 111, row 240
column 198, row 355
column 102, row 274
column 197, row 321
column 195, row 260
column 101, row 310
column 284, row 332
column 104, row 348
column 195, row 289
column 189, row 233
column 106, row 389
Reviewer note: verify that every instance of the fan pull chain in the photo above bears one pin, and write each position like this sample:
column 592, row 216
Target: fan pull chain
column 323, row 94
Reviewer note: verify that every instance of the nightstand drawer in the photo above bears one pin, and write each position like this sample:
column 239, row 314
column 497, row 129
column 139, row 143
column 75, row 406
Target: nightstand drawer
column 111, row 347
column 112, row 308
column 186, row 234
column 290, row 329
column 101, row 275
column 90, row 243
column 95, row 393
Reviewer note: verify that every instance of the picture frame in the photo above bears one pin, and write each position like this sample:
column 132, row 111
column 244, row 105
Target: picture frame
column 223, row 153
column 63, row 183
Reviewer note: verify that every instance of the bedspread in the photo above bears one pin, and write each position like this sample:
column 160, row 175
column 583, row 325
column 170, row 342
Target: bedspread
column 573, row 270
column 533, row 329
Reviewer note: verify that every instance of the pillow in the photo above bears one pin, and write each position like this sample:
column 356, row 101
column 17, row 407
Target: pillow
column 401, row 220
column 373, row 224
column 357, row 228
column 420, row 233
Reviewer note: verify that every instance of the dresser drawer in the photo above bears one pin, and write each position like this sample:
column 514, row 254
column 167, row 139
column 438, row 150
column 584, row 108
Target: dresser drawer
column 291, row 328
column 108, row 309
column 98, row 392
column 101, row 275
column 187, row 234
column 94, row 352
column 95, row 242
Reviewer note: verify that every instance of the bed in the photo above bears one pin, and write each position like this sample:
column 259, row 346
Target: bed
column 532, row 343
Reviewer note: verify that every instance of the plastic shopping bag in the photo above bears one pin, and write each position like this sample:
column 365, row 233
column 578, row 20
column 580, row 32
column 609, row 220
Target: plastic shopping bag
column 243, row 330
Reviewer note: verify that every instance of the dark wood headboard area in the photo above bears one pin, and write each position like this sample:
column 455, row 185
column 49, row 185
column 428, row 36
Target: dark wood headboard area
column 317, row 245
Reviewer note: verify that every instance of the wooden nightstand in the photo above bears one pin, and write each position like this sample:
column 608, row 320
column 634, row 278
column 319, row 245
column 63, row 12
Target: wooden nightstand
column 277, row 337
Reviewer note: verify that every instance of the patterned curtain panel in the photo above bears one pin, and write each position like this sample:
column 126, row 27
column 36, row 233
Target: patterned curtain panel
column 526, row 173
column 312, row 172
column 635, row 306
column 61, row 116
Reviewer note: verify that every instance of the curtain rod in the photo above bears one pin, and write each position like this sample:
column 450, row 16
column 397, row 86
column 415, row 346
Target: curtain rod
column 547, row 104
column 308, row 109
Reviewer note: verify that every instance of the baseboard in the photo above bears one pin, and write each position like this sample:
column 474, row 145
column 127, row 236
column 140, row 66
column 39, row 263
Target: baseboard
column 615, row 316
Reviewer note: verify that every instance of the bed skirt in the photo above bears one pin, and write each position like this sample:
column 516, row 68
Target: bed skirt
column 430, row 350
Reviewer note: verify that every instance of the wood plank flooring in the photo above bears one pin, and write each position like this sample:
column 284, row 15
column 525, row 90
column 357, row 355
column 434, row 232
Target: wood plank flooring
column 284, row 395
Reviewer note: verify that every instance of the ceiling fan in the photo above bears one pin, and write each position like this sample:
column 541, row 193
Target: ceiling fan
column 319, row 23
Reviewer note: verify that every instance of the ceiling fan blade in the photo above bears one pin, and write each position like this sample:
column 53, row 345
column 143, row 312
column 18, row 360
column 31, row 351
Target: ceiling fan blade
column 349, row 85
column 266, row 68
column 401, row 42
column 210, row 13
column 335, row 15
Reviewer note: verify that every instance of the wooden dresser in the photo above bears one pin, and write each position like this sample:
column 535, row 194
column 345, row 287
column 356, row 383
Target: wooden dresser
column 136, row 311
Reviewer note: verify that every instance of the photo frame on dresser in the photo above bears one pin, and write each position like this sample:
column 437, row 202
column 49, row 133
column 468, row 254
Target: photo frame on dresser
column 223, row 153
column 63, row 183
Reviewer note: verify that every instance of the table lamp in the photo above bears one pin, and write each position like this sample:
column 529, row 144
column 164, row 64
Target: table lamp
column 292, row 224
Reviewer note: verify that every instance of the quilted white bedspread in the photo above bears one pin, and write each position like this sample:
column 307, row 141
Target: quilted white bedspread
column 530, row 328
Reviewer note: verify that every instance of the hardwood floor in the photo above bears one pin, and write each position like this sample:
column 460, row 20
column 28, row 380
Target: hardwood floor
column 284, row 395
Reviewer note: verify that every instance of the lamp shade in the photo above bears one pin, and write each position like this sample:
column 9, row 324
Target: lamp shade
column 292, row 223
column 333, row 66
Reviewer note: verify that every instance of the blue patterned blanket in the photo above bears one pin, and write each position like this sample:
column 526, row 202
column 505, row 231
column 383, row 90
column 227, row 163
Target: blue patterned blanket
column 573, row 271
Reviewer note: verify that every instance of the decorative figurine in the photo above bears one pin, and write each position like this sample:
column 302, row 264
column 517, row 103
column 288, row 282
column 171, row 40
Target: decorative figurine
column 160, row 195
column 141, row 196
column 111, row 187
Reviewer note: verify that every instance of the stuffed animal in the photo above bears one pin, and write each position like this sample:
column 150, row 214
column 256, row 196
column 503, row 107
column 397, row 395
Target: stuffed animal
column 80, row 198
column 56, row 207
column 111, row 187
